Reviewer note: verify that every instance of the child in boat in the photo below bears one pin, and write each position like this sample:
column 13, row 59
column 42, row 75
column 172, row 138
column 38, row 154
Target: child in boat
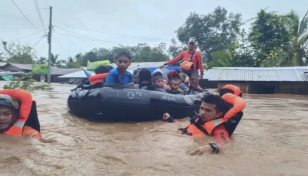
column 158, row 81
column 144, row 78
column 119, row 75
column 101, row 72
column 174, row 85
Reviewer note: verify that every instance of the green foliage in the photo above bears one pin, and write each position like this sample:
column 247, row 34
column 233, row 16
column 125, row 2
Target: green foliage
column 140, row 53
column 18, row 53
column 176, row 48
column 42, row 60
column 298, row 29
column 269, row 34
column 212, row 31
column 54, row 60
column 72, row 63
column 26, row 83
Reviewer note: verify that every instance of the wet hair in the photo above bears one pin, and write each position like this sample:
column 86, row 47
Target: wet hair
column 135, row 72
column 155, row 78
column 124, row 54
column 225, row 90
column 101, row 69
column 110, row 67
column 157, row 74
column 145, row 75
column 173, row 80
column 221, row 105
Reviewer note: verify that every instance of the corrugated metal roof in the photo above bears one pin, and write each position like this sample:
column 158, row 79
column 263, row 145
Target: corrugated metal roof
column 63, row 71
column 2, row 64
column 134, row 65
column 11, row 73
column 292, row 74
column 78, row 74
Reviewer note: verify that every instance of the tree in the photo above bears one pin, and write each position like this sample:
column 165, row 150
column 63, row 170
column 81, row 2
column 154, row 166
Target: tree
column 42, row 60
column 55, row 62
column 18, row 53
column 72, row 63
column 1, row 57
column 238, row 54
column 299, row 37
column 269, row 38
column 175, row 48
column 212, row 31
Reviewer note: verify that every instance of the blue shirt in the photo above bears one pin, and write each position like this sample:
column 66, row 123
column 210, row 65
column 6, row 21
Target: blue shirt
column 115, row 77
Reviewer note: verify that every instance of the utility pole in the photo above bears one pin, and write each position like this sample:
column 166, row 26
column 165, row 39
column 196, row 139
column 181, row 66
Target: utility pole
column 49, row 43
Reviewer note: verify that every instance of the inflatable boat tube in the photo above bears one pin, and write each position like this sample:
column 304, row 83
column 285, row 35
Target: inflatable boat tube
column 114, row 102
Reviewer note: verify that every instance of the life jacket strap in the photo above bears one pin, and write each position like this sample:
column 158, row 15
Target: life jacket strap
column 192, row 121
column 184, row 131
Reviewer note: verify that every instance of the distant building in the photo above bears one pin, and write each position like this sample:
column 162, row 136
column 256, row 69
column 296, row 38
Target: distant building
column 262, row 80
column 26, row 68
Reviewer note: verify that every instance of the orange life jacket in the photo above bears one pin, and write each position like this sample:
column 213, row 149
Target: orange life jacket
column 237, row 91
column 230, row 119
column 25, row 108
column 237, row 104
column 97, row 78
column 193, row 130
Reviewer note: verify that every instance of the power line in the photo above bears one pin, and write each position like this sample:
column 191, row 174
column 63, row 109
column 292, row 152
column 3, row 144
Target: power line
column 23, row 14
column 33, row 39
column 85, row 38
column 60, row 45
column 47, row 3
column 82, row 39
column 42, row 47
column 70, row 33
column 17, row 28
column 38, row 41
column 72, row 42
column 26, row 36
column 39, row 13
column 112, row 33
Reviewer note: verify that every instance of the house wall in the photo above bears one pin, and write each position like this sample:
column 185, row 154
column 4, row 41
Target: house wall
column 300, row 88
column 204, row 83
column 292, row 88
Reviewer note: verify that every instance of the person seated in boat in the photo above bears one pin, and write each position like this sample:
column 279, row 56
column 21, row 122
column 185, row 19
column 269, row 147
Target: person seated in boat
column 176, row 74
column 144, row 77
column 101, row 72
column 213, row 120
column 158, row 81
column 185, row 82
column 174, row 85
column 160, row 74
column 135, row 76
column 18, row 114
column 119, row 75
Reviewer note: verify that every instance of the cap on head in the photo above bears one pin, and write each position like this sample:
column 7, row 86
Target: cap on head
column 192, row 41
column 9, row 102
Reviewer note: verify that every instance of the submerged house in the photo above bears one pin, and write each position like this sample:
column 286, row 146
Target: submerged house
column 262, row 80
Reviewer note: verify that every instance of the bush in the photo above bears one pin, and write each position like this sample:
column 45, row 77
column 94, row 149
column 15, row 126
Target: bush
column 26, row 83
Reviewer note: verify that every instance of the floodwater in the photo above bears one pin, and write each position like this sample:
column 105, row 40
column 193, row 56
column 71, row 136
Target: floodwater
column 271, row 140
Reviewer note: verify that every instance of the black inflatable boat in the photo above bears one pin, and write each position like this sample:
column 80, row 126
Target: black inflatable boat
column 114, row 102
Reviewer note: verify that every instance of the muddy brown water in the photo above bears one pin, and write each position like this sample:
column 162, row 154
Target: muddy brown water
column 272, row 139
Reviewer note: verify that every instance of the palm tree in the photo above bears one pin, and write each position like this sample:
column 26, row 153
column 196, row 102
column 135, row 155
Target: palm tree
column 55, row 62
column 299, row 32
column 42, row 60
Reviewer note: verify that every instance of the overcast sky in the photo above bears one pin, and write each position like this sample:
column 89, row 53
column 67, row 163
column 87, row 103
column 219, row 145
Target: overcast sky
column 117, row 21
